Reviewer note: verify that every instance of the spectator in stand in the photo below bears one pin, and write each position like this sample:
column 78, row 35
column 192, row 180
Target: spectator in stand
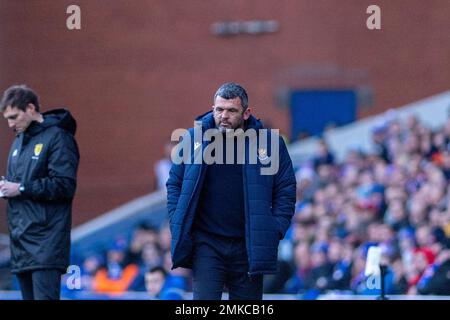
column 151, row 257
column 307, row 183
column 90, row 267
column 323, row 155
column 422, row 259
column 400, row 283
column 395, row 215
column 436, row 279
column 318, row 279
column 156, row 285
column 302, row 265
column 340, row 257
column 154, row 281
column 143, row 234
column 445, row 165
column 378, row 137
column 115, row 277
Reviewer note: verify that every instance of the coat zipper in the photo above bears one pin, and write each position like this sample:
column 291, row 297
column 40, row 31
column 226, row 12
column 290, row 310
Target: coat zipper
column 247, row 217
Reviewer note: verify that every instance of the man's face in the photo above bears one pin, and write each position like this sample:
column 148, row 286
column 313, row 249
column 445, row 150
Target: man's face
column 229, row 114
column 18, row 120
column 154, row 282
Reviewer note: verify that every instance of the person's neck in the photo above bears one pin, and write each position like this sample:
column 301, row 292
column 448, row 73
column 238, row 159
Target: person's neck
column 38, row 118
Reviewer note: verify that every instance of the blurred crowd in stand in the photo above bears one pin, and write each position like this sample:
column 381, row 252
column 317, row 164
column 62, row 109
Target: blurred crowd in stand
column 396, row 197
column 142, row 264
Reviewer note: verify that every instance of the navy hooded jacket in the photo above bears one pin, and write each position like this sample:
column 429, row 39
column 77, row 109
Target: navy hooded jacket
column 44, row 159
column 269, row 201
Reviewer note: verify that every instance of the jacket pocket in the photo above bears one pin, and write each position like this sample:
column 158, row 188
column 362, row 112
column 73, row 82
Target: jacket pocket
column 36, row 214
column 277, row 227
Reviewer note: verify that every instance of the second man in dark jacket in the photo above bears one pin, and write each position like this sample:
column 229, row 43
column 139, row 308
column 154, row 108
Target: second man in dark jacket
column 39, row 187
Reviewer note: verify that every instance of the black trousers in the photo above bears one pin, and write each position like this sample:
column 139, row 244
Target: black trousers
column 42, row 284
column 219, row 262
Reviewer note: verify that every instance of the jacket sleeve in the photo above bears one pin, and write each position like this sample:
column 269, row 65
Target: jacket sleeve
column 284, row 191
column 173, row 185
column 60, row 182
column 176, row 175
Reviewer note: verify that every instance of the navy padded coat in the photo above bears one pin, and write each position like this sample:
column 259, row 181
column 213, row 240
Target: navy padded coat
column 269, row 202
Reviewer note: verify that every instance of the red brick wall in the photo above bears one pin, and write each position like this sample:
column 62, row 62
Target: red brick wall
column 138, row 69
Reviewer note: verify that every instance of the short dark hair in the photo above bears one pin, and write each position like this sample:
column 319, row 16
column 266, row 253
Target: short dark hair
column 158, row 269
column 19, row 96
column 231, row 90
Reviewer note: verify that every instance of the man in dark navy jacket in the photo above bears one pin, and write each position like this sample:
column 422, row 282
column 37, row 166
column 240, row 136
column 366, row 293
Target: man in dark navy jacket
column 39, row 187
column 226, row 217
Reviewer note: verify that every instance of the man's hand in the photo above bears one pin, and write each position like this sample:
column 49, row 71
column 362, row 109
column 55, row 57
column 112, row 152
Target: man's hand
column 9, row 189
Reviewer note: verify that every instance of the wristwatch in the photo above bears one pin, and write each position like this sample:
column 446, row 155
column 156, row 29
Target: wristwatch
column 21, row 188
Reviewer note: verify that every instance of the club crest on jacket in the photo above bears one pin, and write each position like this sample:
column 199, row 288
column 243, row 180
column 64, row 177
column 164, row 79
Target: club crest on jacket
column 262, row 154
column 38, row 149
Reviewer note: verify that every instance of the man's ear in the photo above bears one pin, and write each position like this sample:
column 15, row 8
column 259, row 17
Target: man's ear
column 247, row 113
column 31, row 108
